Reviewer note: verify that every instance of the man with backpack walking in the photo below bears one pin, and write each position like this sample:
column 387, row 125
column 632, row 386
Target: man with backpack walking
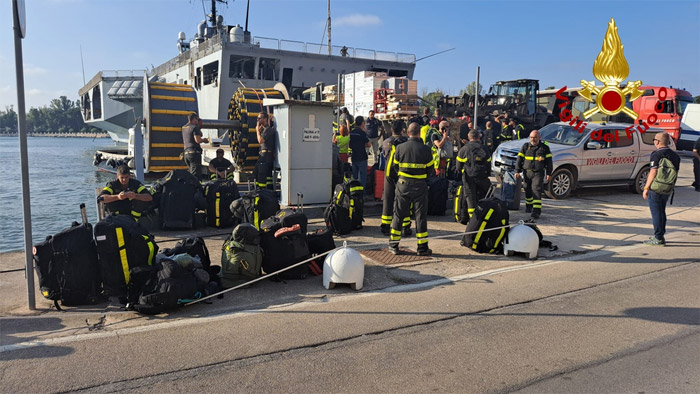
column 663, row 174
column 474, row 163
column 413, row 163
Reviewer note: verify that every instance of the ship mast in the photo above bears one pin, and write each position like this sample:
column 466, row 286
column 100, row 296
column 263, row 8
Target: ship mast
column 213, row 11
column 329, row 28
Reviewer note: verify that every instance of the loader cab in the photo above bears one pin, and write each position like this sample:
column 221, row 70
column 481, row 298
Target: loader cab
column 518, row 96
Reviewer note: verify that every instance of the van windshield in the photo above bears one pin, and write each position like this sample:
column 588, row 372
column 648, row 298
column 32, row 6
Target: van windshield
column 682, row 104
column 562, row 134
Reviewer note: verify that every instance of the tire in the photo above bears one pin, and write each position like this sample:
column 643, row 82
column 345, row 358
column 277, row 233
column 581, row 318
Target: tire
column 640, row 180
column 561, row 184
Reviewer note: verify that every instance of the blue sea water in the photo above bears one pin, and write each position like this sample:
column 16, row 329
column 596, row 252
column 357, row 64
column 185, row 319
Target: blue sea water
column 61, row 176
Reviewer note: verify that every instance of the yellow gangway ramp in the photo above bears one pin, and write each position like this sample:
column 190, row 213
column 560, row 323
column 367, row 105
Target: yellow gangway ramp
column 168, row 105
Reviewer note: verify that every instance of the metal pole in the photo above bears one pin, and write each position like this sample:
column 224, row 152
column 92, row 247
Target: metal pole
column 138, row 151
column 21, row 120
column 476, row 99
column 329, row 28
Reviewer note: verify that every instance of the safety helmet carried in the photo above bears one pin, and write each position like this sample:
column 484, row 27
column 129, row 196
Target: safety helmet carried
column 521, row 239
column 344, row 265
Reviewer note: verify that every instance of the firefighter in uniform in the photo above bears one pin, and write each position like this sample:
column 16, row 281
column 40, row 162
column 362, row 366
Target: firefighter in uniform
column 267, row 138
column 517, row 129
column 506, row 132
column 388, row 148
column 125, row 196
column 474, row 163
column 412, row 162
column 535, row 159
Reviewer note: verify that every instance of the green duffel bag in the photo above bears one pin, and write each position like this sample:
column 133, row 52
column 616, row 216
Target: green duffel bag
column 240, row 263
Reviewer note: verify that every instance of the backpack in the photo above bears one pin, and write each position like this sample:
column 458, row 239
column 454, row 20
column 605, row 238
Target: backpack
column 349, row 201
column 478, row 164
column 666, row 177
column 337, row 219
column 489, row 213
column 178, row 194
column 67, row 266
column 255, row 206
column 167, row 285
column 122, row 244
column 241, row 256
column 461, row 208
column 220, row 194
column 426, row 134
column 437, row 195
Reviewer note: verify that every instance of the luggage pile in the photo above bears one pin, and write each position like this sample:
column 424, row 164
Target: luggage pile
column 178, row 196
column 119, row 258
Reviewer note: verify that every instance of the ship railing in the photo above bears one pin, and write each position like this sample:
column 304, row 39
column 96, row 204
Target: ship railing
column 336, row 50
column 204, row 48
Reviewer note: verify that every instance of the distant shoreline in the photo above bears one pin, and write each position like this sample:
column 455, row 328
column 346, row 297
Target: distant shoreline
column 62, row 135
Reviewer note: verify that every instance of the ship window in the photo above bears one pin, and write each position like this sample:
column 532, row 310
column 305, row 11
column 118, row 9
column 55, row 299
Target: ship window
column 198, row 78
column 242, row 67
column 398, row 73
column 269, row 69
column 86, row 107
column 96, row 103
column 211, row 72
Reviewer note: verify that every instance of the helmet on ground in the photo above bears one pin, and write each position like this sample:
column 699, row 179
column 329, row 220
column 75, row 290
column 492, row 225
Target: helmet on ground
column 521, row 239
column 343, row 265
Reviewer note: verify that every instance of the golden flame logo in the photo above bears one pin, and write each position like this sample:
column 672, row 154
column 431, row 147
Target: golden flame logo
column 611, row 68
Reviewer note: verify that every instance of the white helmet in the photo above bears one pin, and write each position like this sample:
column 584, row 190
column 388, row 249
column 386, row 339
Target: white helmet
column 343, row 265
column 522, row 239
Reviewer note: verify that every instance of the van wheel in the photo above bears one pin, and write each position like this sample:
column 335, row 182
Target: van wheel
column 640, row 180
column 560, row 185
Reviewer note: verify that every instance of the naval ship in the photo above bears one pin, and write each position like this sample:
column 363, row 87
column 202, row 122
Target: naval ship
column 218, row 60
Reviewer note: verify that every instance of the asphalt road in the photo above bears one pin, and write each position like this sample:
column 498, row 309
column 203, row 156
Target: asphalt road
column 621, row 320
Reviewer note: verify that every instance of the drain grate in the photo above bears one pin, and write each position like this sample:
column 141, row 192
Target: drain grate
column 384, row 257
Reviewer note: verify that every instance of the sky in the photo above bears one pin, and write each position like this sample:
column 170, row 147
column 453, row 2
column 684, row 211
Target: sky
column 555, row 42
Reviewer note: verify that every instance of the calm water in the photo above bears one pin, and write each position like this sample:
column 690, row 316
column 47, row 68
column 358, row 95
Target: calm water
column 61, row 177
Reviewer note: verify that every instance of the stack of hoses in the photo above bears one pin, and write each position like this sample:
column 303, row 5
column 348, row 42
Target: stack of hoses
column 245, row 106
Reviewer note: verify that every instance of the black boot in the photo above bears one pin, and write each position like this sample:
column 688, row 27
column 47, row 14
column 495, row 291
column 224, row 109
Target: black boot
column 528, row 208
column 386, row 229
column 406, row 231
column 424, row 251
column 535, row 214
column 394, row 249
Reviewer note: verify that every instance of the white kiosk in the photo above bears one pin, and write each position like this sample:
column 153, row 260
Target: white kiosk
column 304, row 149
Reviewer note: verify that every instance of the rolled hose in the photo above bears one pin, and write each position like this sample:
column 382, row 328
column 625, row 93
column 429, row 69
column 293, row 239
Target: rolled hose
column 245, row 106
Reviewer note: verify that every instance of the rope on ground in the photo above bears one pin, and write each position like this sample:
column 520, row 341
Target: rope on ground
column 361, row 245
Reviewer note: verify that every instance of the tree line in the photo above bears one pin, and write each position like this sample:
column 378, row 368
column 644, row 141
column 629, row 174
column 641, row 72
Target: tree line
column 62, row 115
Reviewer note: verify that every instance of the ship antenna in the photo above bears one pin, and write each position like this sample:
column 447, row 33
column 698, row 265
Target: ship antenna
column 247, row 9
column 81, row 63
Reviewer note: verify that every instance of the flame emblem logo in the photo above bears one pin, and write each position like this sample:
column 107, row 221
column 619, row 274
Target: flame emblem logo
column 611, row 68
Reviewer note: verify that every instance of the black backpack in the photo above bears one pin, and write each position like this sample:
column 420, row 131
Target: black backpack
column 490, row 213
column 346, row 210
column 255, row 206
column 178, row 194
column 167, row 285
column 437, row 195
column 461, row 209
column 195, row 247
column 337, row 219
column 67, row 266
column 220, row 194
column 122, row 244
column 478, row 164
